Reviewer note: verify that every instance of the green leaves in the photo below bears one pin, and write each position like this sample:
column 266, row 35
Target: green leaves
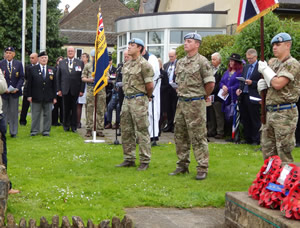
column 11, row 28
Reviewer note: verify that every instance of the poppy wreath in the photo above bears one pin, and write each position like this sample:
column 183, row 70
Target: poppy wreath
column 265, row 176
column 290, row 206
column 291, row 179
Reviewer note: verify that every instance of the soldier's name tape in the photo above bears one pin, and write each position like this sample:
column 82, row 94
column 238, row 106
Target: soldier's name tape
column 190, row 99
column 273, row 108
column 134, row 96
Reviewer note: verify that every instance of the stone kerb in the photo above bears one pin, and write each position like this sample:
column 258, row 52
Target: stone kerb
column 243, row 211
column 76, row 223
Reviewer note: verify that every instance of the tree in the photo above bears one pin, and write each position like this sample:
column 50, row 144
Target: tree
column 209, row 45
column 135, row 4
column 250, row 37
column 11, row 28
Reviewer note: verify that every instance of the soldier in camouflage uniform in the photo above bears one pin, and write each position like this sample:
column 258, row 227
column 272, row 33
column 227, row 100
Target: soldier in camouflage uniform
column 195, row 81
column 138, row 87
column 281, row 79
column 90, row 101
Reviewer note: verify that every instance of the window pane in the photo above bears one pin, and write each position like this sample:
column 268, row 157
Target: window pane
column 121, row 56
column 78, row 53
column 157, row 51
column 155, row 37
column 140, row 35
column 120, row 41
column 124, row 40
column 175, row 37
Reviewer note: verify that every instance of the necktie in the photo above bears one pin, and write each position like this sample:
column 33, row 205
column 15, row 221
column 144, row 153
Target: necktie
column 44, row 73
column 249, row 72
column 70, row 62
column 9, row 65
column 170, row 72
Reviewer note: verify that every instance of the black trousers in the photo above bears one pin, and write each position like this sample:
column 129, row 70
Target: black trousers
column 250, row 118
column 171, row 103
column 24, row 111
column 57, row 112
column 70, row 111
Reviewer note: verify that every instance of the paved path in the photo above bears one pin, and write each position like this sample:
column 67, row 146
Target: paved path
column 176, row 218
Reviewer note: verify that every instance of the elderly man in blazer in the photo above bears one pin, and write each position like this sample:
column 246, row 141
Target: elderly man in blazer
column 70, row 86
column 41, row 93
column 14, row 76
column 171, row 98
column 249, row 97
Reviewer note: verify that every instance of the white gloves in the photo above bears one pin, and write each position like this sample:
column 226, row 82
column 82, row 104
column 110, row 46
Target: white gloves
column 267, row 72
column 261, row 85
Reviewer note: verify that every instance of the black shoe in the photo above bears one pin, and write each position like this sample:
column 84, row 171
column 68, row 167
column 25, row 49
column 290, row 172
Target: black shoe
column 168, row 129
column 297, row 144
column 127, row 164
column 74, row 130
column 22, row 123
column 13, row 136
column 46, row 134
column 180, row 170
column 143, row 167
column 229, row 140
column 255, row 143
column 219, row 136
column 66, row 128
column 32, row 134
column 201, row 175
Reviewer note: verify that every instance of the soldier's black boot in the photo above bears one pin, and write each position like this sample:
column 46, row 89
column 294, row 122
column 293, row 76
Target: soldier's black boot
column 127, row 164
column 201, row 175
column 143, row 167
column 180, row 170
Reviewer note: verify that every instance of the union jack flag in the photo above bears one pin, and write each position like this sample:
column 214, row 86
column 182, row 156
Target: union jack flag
column 100, row 24
column 251, row 10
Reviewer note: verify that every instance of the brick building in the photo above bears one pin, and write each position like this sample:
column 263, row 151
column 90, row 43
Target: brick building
column 79, row 26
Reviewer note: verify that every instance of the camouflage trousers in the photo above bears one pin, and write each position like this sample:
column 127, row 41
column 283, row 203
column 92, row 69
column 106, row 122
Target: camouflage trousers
column 278, row 134
column 134, row 124
column 90, row 106
column 190, row 128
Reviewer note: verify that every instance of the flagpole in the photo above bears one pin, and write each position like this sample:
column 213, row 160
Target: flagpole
column 262, row 58
column 95, row 117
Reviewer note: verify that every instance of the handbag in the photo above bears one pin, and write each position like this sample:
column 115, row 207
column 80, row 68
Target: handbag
column 229, row 111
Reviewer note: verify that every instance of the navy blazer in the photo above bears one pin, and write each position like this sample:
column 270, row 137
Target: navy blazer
column 70, row 81
column 17, row 77
column 255, row 76
column 40, row 89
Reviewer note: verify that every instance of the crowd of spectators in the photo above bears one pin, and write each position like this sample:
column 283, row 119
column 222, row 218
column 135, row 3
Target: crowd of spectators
column 236, row 84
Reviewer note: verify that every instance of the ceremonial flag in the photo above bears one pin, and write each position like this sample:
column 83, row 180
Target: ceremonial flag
column 101, row 57
column 251, row 10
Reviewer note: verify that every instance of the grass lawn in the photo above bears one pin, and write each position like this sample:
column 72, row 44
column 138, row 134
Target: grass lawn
column 61, row 175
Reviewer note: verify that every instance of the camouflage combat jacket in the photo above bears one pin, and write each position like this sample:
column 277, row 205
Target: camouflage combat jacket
column 136, row 74
column 192, row 73
column 289, row 93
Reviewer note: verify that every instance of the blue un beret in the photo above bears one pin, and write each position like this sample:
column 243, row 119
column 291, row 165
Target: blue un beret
column 193, row 35
column 9, row 49
column 136, row 41
column 281, row 37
